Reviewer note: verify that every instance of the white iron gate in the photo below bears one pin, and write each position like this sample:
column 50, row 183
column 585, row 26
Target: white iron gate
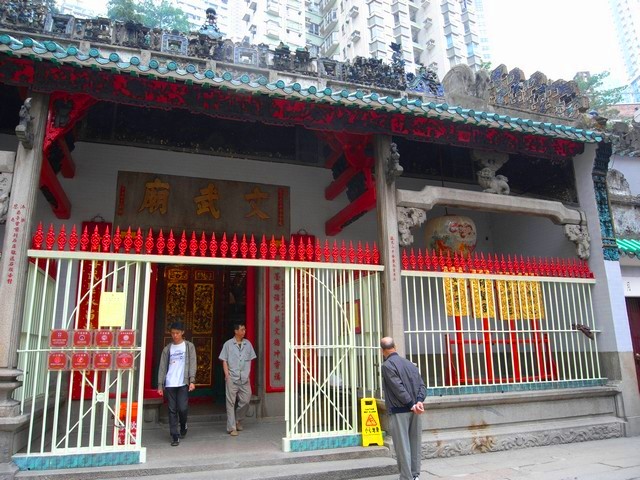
column 333, row 331
column 83, row 385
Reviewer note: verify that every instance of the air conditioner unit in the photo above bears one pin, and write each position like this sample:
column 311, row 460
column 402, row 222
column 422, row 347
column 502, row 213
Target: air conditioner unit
column 355, row 36
column 431, row 43
column 353, row 12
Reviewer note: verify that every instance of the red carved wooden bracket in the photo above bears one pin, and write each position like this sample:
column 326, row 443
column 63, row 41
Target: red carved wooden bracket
column 359, row 161
column 64, row 112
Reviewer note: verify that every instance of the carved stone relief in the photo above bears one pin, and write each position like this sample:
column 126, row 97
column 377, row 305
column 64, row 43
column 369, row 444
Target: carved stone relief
column 394, row 169
column 497, row 443
column 625, row 138
column 7, row 163
column 625, row 207
column 579, row 235
column 487, row 178
column 407, row 219
column 24, row 130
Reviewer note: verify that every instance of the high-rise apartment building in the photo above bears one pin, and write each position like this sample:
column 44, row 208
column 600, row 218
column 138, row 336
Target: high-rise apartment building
column 626, row 18
column 435, row 33
column 485, row 44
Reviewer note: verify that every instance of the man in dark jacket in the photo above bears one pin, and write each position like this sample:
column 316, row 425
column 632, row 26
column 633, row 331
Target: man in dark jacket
column 404, row 392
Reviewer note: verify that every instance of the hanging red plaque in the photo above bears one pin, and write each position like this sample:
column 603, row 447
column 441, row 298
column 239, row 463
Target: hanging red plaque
column 124, row 360
column 59, row 338
column 102, row 360
column 127, row 338
column 81, row 338
column 103, row 338
column 57, row 361
column 80, row 360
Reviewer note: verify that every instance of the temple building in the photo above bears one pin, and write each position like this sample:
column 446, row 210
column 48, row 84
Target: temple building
column 149, row 176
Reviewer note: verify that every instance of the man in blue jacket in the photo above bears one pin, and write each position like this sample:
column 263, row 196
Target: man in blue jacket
column 404, row 392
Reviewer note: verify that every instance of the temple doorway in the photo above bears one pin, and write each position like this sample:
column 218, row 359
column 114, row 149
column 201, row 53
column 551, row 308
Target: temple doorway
column 207, row 300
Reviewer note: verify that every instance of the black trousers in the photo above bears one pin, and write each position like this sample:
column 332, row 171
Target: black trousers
column 178, row 399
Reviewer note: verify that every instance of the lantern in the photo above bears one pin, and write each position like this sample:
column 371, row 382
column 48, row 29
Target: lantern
column 452, row 234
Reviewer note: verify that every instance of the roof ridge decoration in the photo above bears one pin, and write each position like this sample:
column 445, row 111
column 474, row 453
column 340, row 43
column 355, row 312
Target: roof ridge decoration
column 625, row 207
column 192, row 73
column 535, row 97
column 510, row 89
column 625, row 137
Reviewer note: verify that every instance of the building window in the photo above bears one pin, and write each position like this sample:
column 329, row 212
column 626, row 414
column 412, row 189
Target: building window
column 467, row 29
column 449, row 41
column 376, row 32
column 469, row 49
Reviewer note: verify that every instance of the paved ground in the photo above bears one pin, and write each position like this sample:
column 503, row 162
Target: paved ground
column 615, row 459
column 209, row 452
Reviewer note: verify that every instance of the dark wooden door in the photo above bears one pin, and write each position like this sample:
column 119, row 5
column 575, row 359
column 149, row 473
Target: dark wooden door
column 633, row 311
column 192, row 295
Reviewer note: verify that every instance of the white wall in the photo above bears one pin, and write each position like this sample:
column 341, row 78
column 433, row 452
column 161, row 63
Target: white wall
column 630, row 168
column 501, row 233
column 93, row 190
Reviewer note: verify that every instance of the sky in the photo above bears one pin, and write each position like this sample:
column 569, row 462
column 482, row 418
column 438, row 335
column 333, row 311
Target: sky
column 556, row 37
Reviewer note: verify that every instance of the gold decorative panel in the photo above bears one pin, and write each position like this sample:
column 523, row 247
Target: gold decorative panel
column 531, row 298
column 204, row 275
column 204, row 351
column 175, row 303
column 177, row 275
column 520, row 300
column 203, row 308
column 482, row 299
column 455, row 294
column 509, row 299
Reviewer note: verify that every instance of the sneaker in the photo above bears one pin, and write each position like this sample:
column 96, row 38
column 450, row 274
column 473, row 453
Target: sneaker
column 183, row 432
column 233, row 433
column 175, row 441
column 239, row 427
column 417, row 477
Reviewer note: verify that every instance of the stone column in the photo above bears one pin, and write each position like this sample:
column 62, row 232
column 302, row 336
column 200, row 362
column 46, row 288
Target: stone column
column 614, row 342
column 392, row 311
column 14, row 267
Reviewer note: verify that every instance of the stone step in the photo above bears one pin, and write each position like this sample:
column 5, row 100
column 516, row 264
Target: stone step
column 335, row 470
column 494, row 438
column 342, row 463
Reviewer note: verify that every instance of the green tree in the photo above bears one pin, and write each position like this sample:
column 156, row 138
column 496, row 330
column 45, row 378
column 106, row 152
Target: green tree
column 124, row 10
column 150, row 13
column 164, row 15
column 602, row 100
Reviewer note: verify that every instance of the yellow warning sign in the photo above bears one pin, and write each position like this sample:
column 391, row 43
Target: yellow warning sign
column 371, row 430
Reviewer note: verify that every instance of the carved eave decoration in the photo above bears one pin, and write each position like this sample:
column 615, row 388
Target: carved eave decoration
column 356, row 115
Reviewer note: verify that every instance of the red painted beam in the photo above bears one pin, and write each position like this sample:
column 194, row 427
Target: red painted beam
column 336, row 187
column 362, row 204
column 53, row 191
column 332, row 158
column 68, row 166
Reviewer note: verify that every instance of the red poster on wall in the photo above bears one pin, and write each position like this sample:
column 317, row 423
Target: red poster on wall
column 80, row 360
column 275, row 328
column 102, row 360
column 57, row 361
column 103, row 338
column 81, row 338
column 59, row 338
column 126, row 338
column 124, row 360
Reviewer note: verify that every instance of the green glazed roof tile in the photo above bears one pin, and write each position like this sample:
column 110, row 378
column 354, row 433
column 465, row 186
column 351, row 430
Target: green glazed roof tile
column 629, row 247
column 52, row 51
